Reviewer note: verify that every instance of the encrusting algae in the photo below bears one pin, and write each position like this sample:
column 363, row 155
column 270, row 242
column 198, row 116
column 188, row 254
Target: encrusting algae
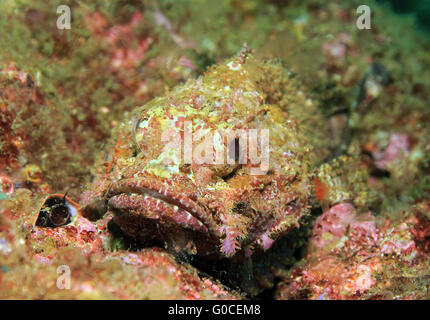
column 298, row 171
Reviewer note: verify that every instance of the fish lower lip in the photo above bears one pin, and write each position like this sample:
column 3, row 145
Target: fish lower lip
column 152, row 207
column 161, row 192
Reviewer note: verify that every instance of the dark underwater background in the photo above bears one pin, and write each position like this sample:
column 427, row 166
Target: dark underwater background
column 419, row 8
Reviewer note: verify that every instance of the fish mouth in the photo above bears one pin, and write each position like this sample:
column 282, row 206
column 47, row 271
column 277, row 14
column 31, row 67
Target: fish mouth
column 158, row 201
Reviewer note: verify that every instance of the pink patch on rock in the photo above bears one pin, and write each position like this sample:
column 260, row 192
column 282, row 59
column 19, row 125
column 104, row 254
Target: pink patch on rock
column 266, row 242
column 82, row 234
column 337, row 48
column 332, row 224
column 398, row 147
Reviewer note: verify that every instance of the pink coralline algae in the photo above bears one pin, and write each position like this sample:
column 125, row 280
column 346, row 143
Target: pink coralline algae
column 351, row 256
column 398, row 148
column 122, row 55
column 333, row 224
column 82, row 233
column 187, row 283
column 7, row 185
column 337, row 48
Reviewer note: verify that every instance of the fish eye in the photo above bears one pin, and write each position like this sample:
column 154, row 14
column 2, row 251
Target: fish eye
column 56, row 211
column 42, row 219
column 59, row 215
